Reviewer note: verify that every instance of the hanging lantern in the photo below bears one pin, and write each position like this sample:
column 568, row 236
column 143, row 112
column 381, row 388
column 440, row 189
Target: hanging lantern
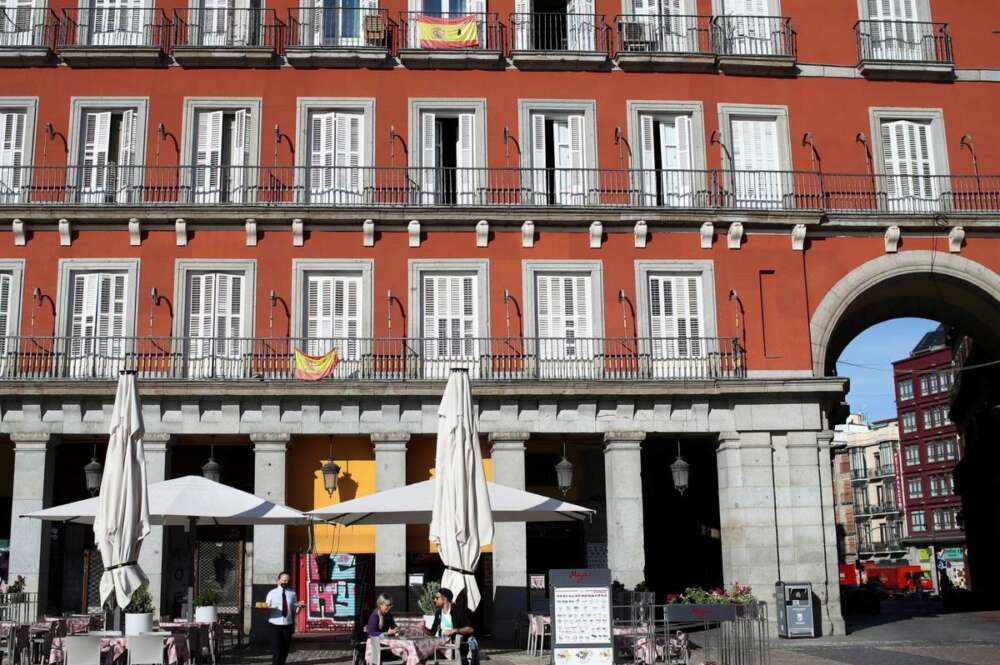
column 679, row 471
column 93, row 471
column 564, row 473
column 330, row 471
column 212, row 469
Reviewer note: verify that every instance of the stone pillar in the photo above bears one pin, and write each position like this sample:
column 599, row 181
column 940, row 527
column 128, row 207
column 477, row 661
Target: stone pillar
column 776, row 513
column 390, row 539
column 510, row 547
column 157, row 447
column 29, row 539
column 268, row 541
column 623, row 482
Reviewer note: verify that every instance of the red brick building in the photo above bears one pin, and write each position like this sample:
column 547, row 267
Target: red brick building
column 647, row 229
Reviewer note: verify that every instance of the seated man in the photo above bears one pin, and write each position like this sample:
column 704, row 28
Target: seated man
column 452, row 619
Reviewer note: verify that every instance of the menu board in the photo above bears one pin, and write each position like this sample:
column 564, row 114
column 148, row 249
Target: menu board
column 581, row 617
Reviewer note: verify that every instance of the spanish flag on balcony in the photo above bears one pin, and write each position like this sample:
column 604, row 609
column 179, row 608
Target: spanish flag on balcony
column 441, row 33
column 314, row 368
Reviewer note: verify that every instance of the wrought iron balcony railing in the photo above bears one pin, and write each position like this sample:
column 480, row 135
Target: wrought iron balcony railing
column 903, row 42
column 859, row 474
column 227, row 28
column 115, row 27
column 665, row 33
column 334, row 186
column 883, row 471
column 538, row 31
column 873, row 546
column 26, row 26
column 451, row 30
column 754, row 36
column 337, row 26
column 374, row 359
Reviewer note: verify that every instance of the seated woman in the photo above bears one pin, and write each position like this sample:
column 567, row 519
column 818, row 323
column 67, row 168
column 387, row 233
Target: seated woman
column 381, row 623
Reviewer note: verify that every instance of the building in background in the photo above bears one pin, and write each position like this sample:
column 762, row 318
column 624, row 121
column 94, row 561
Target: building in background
column 930, row 450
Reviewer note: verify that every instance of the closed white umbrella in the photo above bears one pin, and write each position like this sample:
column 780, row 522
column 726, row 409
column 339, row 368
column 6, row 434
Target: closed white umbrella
column 462, row 520
column 121, row 517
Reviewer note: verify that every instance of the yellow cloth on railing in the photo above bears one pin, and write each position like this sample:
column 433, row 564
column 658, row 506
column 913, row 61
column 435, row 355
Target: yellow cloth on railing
column 314, row 368
column 436, row 32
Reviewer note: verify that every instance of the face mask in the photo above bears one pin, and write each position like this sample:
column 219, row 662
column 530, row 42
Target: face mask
column 283, row 585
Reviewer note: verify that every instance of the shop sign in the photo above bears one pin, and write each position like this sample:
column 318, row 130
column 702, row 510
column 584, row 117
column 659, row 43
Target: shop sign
column 952, row 554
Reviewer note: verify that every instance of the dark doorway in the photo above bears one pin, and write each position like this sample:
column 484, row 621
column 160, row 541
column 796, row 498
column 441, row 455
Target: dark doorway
column 548, row 25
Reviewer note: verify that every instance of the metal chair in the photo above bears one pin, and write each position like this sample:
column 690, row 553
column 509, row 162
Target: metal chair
column 81, row 650
column 454, row 651
column 377, row 651
column 146, row 650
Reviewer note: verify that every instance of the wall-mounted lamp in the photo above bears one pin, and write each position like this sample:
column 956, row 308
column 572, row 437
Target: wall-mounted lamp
column 506, row 310
column 330, row 471
column 863, row 140
column 966, row 142
column 716, row 139
column 36, row 299
column 388, row 300
column 619, row 141
column 272, row 301
column 154, row 296
column 817, row 162
column 507, row 138
column 621, row 301
column 734, row 296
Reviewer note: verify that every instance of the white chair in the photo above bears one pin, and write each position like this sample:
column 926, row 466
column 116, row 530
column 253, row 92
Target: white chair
column 453, row 651
column 81, row 650
column 539, row 629
column 145, row 650
column 378, row 651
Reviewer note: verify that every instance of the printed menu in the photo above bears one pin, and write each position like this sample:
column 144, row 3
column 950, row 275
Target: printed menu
column 582, row 615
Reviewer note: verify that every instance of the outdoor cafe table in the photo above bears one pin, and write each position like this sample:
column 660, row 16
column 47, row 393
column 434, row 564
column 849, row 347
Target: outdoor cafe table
column 207, row 635
column 649, row 651
column 113, row 648
column 413, row 650
column 17, row 636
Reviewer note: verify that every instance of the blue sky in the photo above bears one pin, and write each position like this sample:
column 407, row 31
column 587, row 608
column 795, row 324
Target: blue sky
column 875, row 349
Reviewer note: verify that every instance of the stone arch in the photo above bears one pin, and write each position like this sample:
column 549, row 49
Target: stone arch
column 934, row 285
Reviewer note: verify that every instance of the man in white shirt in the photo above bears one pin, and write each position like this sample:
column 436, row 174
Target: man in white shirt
column 282, row 603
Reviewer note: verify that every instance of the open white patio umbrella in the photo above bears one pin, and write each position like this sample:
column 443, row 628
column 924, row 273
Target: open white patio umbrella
column 414, row 504
column 461, row 520
column 121, row 516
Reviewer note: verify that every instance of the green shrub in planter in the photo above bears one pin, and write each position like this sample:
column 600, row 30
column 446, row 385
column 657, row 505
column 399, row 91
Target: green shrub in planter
column 426, row 600
column 207, row 598
column 141, row 603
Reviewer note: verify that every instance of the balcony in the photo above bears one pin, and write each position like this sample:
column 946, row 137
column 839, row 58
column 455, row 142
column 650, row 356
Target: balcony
column 27, row 36
column 334, row 35
column 761, row 45
column 226, row 37
column 859, row 475
column 114, row 37
column 904, row 50
column 451, row 41
column 664, row 43
column 880, row 546
column 507, row 359
column 885, row 471
column 666, row 191
column 885, row 508
column 559, row 41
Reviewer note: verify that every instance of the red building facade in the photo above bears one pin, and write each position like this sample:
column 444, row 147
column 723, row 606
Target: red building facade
column 645, row 230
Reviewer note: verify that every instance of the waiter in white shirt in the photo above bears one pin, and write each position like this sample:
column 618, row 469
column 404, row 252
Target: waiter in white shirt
column 282, row 604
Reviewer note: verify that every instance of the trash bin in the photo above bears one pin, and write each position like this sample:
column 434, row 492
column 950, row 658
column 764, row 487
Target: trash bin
column 795, row 609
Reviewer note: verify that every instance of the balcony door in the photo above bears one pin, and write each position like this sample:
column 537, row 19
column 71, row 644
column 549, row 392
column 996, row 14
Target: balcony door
column 749, row 28
column 12, row 172
column 446, row 9
column 333, row 319
column 565, row 326
column 908, row 152
column 221, row 156
column 450, row 324
column 448, row 159
column 16, row 23
column 8, row 346
column 757, row 180
column 97, row 311
column 661, row 26
column 116, row 23
column 108, row 171
column 581, row 25
column 339, row 23
column 224, row 23
column 336, row 156
column 895, row 33
column 676, row 325
column 558, row 157
column 666, row 160
column 216, row 344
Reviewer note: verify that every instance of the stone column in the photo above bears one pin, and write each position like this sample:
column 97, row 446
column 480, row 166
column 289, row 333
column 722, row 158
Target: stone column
column 510, row 547
column 157, row 447
column 29, row 539
column 390, row 539
column 776, row 512
column 268, row 541
column 623, row 482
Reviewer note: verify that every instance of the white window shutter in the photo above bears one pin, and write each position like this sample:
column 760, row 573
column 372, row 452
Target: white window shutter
column 83, row 313
column 432, row 294
column 465, row 153
column 6, row 325
column 11, row 150
column 208, row 156
column 348, row 135
column 684, row 179
column 647, row 152
column 478, row 9
column 577, row 157
column 321, row 156
column 319, row 311
column 428, row 156
column 583, row 320
column 538, row 164
column 908, row 155
column 522, row 30
column 97, row 134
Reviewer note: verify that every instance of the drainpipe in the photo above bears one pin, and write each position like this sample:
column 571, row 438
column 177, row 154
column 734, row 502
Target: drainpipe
column 822, row 522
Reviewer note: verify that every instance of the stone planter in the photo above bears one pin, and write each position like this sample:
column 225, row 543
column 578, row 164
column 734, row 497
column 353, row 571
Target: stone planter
column 695, row 613
column 137, row 624
column 206, row 614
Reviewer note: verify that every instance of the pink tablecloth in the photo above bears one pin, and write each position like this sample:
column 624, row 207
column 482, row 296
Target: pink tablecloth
column 75, row 625
column 113, row 648
column 649, row 651
column 57, row 626
column 412, row 650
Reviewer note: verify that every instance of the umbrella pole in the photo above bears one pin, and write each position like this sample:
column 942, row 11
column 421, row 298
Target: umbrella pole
column 192, row 529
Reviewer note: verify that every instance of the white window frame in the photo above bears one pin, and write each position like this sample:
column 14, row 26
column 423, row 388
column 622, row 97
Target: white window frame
column 307, row 18
column 529, row 273
column 779, row 113
column 923, row 8
column 195, row 6
column 922, row 526
column 183, row 268
column 302, row 268
column 305, row 107
column 81, row 105
column 695, row 110
column 905, row 396
column 85, row 32
column 14, row 268
column 69, row 267
column 939, row 138
column 906, row 456
column 189, row 133
column 29, row 106
column 526, row 107
column 448, row 107
column 704, row 269
column 902, row 422
column 914, row 488
column 719, row 7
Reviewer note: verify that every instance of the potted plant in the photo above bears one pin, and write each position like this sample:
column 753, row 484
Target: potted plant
column 426, row 602
column 205, row 610
column 15, row 590
column 717, row 604
column 139, row 613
